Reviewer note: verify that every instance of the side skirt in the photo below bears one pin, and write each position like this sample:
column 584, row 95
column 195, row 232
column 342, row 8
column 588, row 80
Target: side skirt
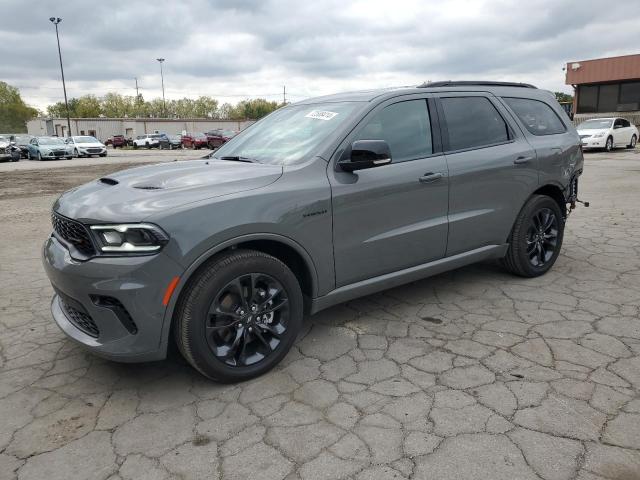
column 394, row 279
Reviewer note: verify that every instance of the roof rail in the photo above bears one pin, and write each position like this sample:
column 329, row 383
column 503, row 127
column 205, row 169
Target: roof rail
column 482, row 83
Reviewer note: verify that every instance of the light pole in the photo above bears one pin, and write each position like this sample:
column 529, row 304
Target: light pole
column 164, row 105
column 56, row 21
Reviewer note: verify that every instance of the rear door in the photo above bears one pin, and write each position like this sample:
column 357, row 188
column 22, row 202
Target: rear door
column 394, row 216
column 492, row 169
column 619, row 133
column 549, row 131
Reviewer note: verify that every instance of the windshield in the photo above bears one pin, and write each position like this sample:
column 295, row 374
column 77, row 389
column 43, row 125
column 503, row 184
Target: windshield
column 85, row 139
column 4, row 138
column 595, row 124
column 50, row 141
column 288, row 134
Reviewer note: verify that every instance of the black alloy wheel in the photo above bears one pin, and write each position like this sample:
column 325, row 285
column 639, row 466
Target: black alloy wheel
column 247, row 319
column 542, row 237
column 536, row 238
column 238, row 315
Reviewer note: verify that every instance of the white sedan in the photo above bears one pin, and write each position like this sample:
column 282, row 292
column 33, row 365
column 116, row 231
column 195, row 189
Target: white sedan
column 85, row 145
column 608, row 133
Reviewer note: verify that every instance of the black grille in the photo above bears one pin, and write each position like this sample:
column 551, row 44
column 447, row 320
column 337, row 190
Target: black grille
column 74, row 233
column 94, row 150
column 118, row 309
column 80, row 319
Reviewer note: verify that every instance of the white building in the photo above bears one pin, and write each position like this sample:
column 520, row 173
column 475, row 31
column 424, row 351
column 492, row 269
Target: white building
column 103, row 128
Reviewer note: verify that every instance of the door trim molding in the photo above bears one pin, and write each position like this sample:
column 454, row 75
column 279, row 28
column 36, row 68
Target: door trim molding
column 400, row 277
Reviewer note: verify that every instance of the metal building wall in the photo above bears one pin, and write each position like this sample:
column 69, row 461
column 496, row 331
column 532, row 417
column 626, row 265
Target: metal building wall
column 107, row 127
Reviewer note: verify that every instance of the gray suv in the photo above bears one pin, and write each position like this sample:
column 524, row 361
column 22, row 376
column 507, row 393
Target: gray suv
column 318, row 203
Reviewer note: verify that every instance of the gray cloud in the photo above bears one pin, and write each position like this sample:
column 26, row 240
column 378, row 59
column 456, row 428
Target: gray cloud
column 237, row 48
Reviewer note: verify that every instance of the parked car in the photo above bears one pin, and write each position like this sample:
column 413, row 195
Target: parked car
column 117, row 141
column 150, row 140
column 8, row 149
column 22, row 140
column 318, row 203
column 216, row 138
column 86, row 146
column 195, row 140
column 608, row 133
column 49, row 148
column 170, row 142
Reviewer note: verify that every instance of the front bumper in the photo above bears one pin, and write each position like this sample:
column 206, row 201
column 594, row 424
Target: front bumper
column 591, row 142
column 92, row 150
column 137, row 283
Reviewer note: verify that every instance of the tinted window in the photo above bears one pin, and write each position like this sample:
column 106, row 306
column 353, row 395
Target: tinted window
column 587, row 98
column 473, row 122
column 630, row 95
column 608, row 98
column 537, row 117
column 405, row 126
column 625, row 123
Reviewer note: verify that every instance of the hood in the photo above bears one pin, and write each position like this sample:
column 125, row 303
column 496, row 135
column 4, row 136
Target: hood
column 135, row 194
column 4, row 144
column 592, row 131
column 89, row 144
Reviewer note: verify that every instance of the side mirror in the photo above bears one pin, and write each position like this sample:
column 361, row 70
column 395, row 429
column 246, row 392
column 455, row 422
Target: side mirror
column 366, row 154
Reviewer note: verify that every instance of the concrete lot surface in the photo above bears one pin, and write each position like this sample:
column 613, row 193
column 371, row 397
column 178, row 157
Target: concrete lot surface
column 473, row 374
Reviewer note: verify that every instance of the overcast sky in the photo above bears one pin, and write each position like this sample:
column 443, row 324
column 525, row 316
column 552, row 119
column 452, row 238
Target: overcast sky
column 250, row 48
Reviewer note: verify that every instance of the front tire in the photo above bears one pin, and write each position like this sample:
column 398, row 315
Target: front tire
column 39, row 156
column 536, row 238
column 239, row 316
column 609, row 145
column 634, row 140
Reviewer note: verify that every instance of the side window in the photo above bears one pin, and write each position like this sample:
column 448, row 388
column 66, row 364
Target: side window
column 405, row 126
column 537, row 117
column 625, row 123
column 473, row 122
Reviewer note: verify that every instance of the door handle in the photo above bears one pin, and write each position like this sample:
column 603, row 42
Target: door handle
column 522, row 159
column 430, row 177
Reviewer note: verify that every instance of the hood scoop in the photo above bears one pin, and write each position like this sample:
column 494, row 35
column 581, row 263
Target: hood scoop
column 147, row 187
column 108, row 181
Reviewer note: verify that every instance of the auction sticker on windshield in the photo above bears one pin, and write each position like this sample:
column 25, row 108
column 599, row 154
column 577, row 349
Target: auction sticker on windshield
column 321, row 115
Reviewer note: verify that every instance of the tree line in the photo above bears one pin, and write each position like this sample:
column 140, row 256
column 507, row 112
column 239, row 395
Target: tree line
column 114, row 105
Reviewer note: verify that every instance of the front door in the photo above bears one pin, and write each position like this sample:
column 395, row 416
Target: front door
column 394, row 216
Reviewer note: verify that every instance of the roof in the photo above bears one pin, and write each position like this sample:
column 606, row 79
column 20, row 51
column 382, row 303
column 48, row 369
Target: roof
column 498, row 88
column 600, row 70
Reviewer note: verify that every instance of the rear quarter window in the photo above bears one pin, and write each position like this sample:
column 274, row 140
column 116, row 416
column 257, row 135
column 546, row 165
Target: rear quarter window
column 537, row 117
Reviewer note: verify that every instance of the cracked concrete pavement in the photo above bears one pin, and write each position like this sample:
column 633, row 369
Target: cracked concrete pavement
column 473, row 374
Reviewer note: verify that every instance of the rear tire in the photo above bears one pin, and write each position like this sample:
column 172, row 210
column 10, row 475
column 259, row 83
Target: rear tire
column 238, row 344
column 634, row 140
column 536, row 238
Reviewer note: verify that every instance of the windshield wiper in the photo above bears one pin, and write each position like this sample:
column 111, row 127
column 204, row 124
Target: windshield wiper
column 239, row 159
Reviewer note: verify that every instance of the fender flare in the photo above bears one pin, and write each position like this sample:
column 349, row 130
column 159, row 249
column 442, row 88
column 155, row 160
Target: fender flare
column 208, row 254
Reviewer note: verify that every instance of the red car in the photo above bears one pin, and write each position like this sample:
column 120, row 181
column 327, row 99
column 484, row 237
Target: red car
column 219, row 137
column 116, row 141
column 195, row 140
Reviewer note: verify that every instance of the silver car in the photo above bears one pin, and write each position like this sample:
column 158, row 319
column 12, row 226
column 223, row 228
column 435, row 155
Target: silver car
column 318, row 203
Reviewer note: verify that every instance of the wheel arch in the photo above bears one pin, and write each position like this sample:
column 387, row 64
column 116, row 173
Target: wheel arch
column 283, row 248
column 556, row 193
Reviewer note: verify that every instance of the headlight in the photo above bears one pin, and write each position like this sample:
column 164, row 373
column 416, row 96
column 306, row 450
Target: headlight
column 135, row 238
column 600, row 135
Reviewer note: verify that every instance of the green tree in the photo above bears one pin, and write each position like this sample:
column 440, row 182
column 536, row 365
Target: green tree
column 253, row 109
column 563, row 97
column 87, row 106
column 14, row 113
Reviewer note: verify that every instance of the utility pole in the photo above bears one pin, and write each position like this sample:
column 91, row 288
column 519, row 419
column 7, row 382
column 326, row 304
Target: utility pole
column 284, row 94
column 137, row 93
column 164, row 105
column 56, row 21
